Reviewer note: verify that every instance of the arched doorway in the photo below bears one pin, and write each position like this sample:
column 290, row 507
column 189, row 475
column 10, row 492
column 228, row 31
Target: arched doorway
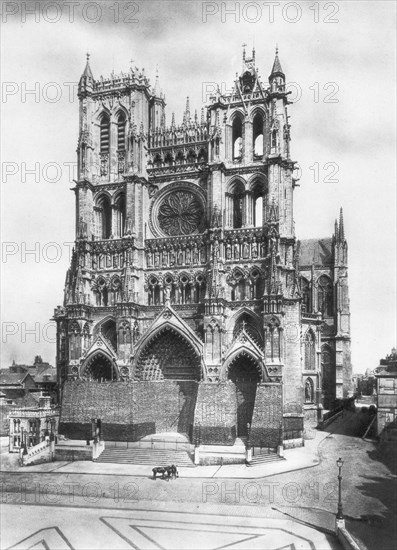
column 170, row 368
column 244, row 372
column 100, row 367
column 168, row 356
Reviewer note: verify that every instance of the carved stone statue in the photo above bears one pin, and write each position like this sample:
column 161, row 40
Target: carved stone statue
column 308, row 392
column 149, row 258
column 167, row 294
column 82, row 229
column 246, row 251
column 128, row 226
column 195, row 254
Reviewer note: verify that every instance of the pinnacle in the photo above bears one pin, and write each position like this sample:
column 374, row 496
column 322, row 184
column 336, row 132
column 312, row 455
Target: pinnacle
column 341, row 226
column 277, row 65
column 87, row 71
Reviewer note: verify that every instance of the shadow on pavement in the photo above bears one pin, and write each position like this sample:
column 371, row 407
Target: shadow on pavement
column 382, row 533
column 350, row 423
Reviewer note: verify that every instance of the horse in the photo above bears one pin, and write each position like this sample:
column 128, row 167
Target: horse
column 166, row 472
column 161, row 471
column 173, row 471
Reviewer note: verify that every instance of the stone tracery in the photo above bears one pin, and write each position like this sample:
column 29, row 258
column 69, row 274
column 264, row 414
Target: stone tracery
column 180, row 213
column 168, row 356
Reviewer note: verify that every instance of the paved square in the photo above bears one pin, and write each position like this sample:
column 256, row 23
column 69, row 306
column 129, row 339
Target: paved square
column 69, row 528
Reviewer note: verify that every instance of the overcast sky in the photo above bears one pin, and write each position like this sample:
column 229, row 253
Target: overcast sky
column 339, row 59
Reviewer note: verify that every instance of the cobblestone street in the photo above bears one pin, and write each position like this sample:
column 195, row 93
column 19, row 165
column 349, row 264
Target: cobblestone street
column 309, row 495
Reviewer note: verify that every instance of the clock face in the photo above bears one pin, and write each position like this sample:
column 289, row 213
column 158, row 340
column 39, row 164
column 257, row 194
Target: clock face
column 180, row 213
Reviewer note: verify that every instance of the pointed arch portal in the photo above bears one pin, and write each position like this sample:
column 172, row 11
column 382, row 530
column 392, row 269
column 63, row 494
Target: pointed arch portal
column 168, row 355
column 100, row 367
column 244, row 372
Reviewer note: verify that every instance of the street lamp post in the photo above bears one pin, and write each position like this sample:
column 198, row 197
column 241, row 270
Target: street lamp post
column 339, row 515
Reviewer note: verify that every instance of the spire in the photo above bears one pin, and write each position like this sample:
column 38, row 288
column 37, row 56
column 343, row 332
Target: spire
column 202, row 115
column 157, row 90
column 86, row 80
column 336, row 231
column 276, row 70
column 195, row 116
column 87, row 71
column 341, row 226
column 173, row 120
column 186, row 114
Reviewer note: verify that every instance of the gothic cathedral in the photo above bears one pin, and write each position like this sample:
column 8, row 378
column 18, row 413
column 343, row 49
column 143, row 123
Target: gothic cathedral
column 190, row 306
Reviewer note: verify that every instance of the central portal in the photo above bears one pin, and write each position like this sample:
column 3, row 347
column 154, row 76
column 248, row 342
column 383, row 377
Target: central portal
column 244, row 373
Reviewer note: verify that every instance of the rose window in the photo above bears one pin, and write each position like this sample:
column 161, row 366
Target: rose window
column 180, row 213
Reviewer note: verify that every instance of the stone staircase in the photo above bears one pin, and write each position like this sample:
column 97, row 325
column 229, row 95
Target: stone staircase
column 265, row 459
column 223, row 454
column 152, row 457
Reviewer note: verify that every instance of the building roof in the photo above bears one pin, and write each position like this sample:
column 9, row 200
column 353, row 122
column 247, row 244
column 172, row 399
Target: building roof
column 18, row 368
column 39, row 372
column 317, row 252
column 30, row 400
column 8, row 378
column 386, row 370
column 48, row 374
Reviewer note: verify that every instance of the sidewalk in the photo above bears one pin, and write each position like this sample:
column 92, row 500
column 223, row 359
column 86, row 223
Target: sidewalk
column 295, row 459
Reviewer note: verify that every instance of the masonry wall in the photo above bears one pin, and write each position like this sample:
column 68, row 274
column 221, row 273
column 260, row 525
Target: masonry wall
column 215, row 414
column 347, row 370
column 128, row 410
column 267, row 416
column 293, row 390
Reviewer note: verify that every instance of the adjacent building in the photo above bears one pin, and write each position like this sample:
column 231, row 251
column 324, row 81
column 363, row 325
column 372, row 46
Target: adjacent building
column 32, row 421
column 386, row 380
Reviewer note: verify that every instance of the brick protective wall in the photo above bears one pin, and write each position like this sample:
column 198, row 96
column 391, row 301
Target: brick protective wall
column 216, row 413
column 128, row 410
column 293, row 427
column 265, row 427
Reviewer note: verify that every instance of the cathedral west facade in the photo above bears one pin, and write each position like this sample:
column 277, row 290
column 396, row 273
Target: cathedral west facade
column 190, row 306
